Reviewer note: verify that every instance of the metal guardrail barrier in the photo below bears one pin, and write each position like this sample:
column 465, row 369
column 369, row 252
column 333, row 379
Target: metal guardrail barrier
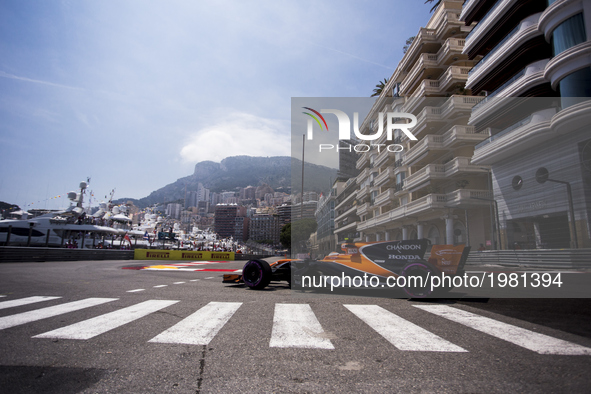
column 33, row 254
column 536, row 258
column 242, row 256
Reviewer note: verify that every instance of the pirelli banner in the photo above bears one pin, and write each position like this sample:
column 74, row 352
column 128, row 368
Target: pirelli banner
column 155, row 254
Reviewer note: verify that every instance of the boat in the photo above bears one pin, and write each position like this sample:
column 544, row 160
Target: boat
column 67, row 228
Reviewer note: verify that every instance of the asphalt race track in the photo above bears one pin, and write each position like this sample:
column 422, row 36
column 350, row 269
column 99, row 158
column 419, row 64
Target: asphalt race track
column 94, row 327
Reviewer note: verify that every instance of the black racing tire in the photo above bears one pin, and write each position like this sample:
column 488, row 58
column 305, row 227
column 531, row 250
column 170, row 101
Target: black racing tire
column 420, row 269
column 256, row 274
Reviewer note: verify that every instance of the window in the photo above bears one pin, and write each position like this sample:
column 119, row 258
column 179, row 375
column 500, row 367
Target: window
column 400, row 177
column 568, row 34
column 574, row 86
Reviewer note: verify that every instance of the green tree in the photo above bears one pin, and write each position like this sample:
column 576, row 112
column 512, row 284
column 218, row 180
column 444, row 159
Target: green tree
column 285, row 236
column 379, row 87
column 409, row 41
column 303, row 228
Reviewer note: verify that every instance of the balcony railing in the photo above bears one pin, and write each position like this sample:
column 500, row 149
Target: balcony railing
column 507, row 130
column 363, row 208
column 428, row 203
column 500, row 89
column 492, row 51
column 385, row 196
column 435, row 87
column 386, row 176
column 483, row 19
column 469, row 196
column 442, row 171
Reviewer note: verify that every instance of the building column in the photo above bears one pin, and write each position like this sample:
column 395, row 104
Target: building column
column 367, row 238
column 378, row 237
column 387, row 235
column 449, row 229
column 404, row 233
column 420, row 230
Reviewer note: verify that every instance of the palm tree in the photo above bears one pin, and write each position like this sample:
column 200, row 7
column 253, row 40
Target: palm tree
column 379, row 87
column 437, row 2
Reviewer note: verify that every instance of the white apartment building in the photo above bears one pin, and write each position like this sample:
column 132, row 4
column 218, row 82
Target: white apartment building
column 535, row 71
column 431, row 189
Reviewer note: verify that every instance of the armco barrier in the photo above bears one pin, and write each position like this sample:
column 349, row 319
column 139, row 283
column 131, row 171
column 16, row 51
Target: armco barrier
column 536, row 258
column 242, row 256
column 24, row 254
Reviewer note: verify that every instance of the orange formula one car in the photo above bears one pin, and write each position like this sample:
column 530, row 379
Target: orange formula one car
column 386, row 264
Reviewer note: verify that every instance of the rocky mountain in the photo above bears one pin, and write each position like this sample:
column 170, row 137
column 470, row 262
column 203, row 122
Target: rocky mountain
column 241, row 171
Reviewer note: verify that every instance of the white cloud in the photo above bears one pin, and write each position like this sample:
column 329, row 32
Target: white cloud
column 239, row 134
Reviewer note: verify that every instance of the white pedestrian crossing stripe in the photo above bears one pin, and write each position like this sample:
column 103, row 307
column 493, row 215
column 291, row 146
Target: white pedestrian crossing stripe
column 200, row 327
column 295, row 325
column 400, row 332
column 24, row 301
column 44, row 313
column 540, row 343
column 90, row 328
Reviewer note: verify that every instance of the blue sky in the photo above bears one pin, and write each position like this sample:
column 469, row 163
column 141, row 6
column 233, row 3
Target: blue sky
column 134, row 93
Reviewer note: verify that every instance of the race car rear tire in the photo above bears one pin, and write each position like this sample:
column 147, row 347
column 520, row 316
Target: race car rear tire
column 421, row 269
column 256, row 274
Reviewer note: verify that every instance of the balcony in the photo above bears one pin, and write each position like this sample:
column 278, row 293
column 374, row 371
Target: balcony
column 363, row 175
column 526, row 30
column 346, row 200
column 431, row 172
column 386, row 177
column 516, row 138
column 433, row 146
column 424, row 38
column 349, row 226
column 383, row 157
column 423, row 204
column 427, row 173
column 345, row 212
column 362, row 193
column 451, row 48
column 455, row 75
column 362, row 161
column 385, row 197
column 530, row 76
column 425, row 65
column 469, row 197
column 433, row 118
column 363, row 209
column 462, row 197
column 486, row 23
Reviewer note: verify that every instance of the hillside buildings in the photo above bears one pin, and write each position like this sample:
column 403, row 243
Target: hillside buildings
column 227, row 224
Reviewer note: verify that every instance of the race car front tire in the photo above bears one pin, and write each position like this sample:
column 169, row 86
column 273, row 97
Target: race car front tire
column 256, row 274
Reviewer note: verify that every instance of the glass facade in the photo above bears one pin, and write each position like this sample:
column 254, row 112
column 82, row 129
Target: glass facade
column 575, row 86
column 568, row 34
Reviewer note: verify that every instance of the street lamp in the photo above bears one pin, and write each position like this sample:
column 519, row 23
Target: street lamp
column 542, row 176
